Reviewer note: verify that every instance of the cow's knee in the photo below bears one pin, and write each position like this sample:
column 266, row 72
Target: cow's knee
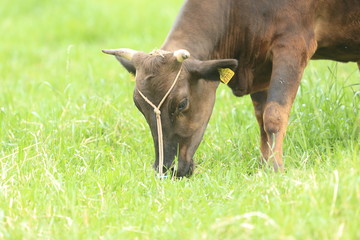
column 275, row 121
column 274, row 117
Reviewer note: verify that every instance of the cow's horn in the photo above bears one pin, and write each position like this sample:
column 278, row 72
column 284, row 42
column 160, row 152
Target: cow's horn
column 122, row 52
column 181, row 55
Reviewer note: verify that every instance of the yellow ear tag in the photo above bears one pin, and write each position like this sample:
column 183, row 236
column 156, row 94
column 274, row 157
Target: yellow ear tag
column 225, row 74
column 132, row 77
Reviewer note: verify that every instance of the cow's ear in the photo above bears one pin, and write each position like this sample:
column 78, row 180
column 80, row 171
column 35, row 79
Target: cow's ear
column 127, row 64
column 124, row 56
column 213, row 70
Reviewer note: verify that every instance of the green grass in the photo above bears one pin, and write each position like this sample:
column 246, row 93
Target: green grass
column 76, row 155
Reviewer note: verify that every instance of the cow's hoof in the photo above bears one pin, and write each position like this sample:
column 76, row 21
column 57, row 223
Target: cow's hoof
column 271, row 166
column 278, row 167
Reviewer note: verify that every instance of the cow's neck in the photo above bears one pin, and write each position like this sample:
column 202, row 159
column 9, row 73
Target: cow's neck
column 200, row 28
column 205, row 30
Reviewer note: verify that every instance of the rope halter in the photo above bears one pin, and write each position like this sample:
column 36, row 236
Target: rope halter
column 180, row 56
column 158, row 122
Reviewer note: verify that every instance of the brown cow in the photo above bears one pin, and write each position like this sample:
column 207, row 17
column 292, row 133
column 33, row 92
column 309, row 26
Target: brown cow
column 267, row 44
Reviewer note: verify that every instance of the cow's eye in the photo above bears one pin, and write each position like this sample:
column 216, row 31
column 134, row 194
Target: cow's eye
column 182, row 105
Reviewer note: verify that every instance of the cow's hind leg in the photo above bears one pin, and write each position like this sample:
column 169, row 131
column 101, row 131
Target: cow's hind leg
column 259, row 101
column 289, row 60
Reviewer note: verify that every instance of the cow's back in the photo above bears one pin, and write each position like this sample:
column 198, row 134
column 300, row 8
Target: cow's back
column 337, row 30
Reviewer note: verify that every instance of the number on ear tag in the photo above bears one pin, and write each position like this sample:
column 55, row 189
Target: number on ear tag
column 225, row 74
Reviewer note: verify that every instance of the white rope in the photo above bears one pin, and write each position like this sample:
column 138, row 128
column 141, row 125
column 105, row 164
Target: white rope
column 158, row 122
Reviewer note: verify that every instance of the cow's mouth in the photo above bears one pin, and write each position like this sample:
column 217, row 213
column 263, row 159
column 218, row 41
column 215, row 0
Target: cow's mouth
column 176, row 164
column 185, row 160
column 170, row 153
column 185, row 168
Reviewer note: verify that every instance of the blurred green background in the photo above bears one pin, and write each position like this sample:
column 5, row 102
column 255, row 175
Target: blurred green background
column 76, row 156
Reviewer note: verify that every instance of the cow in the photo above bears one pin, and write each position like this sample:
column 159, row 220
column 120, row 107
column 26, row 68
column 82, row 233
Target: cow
column 259, row 47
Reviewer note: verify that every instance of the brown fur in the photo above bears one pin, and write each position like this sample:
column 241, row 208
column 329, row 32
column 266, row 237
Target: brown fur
column 272, row 41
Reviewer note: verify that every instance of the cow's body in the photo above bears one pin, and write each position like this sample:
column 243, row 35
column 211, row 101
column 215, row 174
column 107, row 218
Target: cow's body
column 272, row 41
column 250, row 30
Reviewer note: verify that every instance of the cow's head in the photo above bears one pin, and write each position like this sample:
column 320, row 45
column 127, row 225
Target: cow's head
column 187, row 109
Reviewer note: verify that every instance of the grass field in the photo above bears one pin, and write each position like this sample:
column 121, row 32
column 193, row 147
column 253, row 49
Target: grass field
column 76, row 156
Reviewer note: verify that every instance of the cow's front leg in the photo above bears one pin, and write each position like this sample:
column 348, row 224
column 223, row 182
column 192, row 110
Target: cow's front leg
column 289, row 62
